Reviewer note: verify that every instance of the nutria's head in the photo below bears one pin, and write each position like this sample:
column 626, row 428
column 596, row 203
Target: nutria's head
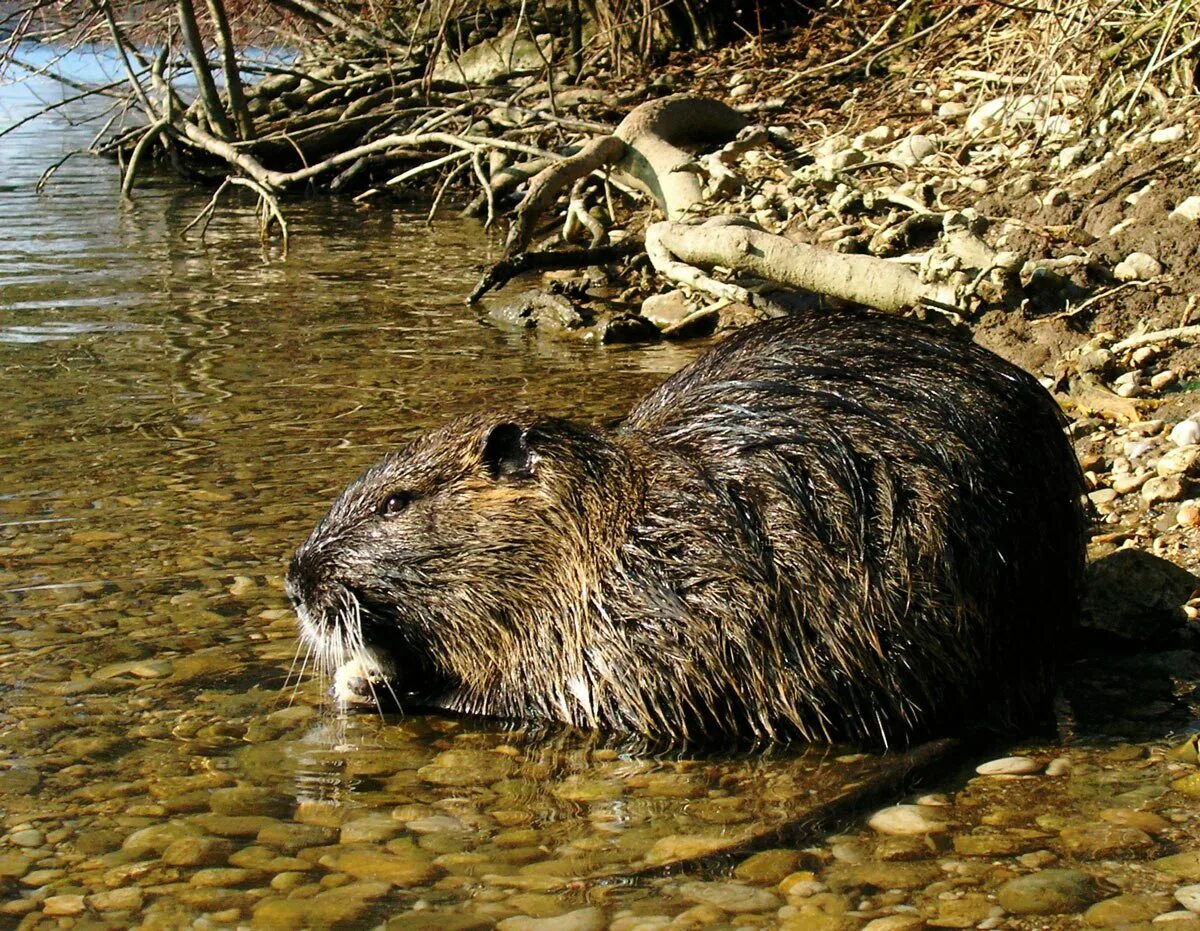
column 434, row 563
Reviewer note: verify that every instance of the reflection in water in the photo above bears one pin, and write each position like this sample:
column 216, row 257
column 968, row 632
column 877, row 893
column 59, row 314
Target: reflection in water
column 178, row 414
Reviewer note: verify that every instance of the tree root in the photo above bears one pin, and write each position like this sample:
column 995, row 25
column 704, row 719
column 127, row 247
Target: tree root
column 675, row 249
column 508, row 268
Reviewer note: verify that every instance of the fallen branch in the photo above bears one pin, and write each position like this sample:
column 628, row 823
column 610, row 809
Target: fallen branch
column 1157, row 336
column 749, row 250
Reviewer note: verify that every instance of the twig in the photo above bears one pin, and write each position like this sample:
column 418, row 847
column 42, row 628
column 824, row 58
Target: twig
column 270, row 209
column 206, row 214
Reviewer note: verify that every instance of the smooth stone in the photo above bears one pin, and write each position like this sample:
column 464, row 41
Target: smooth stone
column 1181, row 460
column 467, row 767
column 14, row 865
column 905, row 820
column 1163, row 488
column 1188, row 785
column 370, row 829
column 683, row 847
column 895, row 923
column 1142, row 820
column 411, row 869
column 1137, row 266
column 583, row 919
column 127, row 899
column 288, row 838
column 846, row 877
column 966, row 912
column 158, row 837
column 344, row 905
column 1168, row 134
column 28, row 838
column 1189, row 897
column 1050, row 892
column 1188, row 208
column 995, row 845
column 234, row 825
column 663, row 310
column 582, row 789
column 198, row 851
column 222, row 876
column 97, row 841
column 1190, row 919
column 240, row 801
column 435, row 824
column 1185, row 865
column 63, row 905
column 1186, row 433
column 1060, row 766
column 912, row 150
column 732, row 897
column 768, row 866
column 1010, row 766
column 1103, row 841
column 1126, row 909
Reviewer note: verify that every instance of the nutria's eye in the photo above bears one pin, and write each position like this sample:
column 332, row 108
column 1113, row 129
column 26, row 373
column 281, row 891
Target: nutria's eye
column 395, row 503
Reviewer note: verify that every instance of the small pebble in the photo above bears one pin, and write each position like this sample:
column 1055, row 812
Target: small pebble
column 1186, row 433
column 1189, row 897
column 1167, row 134
column 1010, row 766
column 1138, row 266
column 1188, row 208
column 1163, row 379
column 63, row 905
column 1160, row 489
column 905, row 820
column 1188, row 514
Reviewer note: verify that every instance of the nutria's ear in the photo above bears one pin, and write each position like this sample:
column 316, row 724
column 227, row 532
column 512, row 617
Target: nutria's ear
column 506, row 452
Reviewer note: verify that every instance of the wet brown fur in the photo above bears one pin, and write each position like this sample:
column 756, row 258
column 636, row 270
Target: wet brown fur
column 848, row 526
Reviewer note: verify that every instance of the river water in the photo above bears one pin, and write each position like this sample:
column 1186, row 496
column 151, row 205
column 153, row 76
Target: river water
column 177, row 414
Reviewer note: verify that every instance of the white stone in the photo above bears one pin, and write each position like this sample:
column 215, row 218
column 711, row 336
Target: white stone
column 1167, row 134
column 1069, row 156
column 1055, row 197
column 1168, row 917
column 1186, row 433
column 1163, row 379
column 905, row 820
column 1188, row 208
column 1179, row 461
column 913, row 150
column 1059, row 766
column 1138, row 266
column 1010, row 766
column 1163, row 489
column 1189, row 897
column 584, row 919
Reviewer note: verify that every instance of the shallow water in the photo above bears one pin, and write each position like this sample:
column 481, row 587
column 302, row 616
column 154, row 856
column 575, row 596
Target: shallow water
column 177, row 414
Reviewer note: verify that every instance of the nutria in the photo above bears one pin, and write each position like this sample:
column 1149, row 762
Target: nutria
column 843, row 526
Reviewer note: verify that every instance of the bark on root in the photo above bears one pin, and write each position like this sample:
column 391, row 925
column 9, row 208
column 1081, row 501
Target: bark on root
column 678, row 250
column 645, row 151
